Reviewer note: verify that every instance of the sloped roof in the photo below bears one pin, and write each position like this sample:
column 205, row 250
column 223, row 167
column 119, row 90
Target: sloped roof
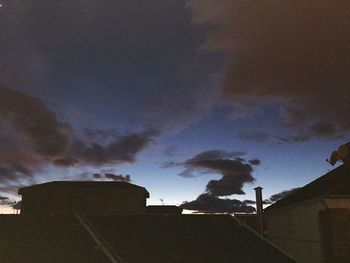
column 82, row 185
column 134, row 238
column 184, row 238
column 333, row 183
column 45, row 238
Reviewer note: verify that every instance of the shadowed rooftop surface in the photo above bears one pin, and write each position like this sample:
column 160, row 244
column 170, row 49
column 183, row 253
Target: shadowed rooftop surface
column 133, row 238
column 335, row 183
column 185, row 239
column 46, row 239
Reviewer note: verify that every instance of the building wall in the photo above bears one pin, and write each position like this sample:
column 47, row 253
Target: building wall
column 338, row 202
column 295, row 230
column 335, row 234
column 85, row 202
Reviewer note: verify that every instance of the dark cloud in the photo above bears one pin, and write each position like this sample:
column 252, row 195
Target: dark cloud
column 4, row 200
column 31, row 137
column 207, row 203
column 294, row 54
column 122, row 150
column 249, row 202
column 234, row 172
column 118, row 177
column 279, row 196
column 114, row 53
column 254, row 162
column 216, row 154
column 111, row 176
column 97, row 176
column 10, row 170
column 103, row 176
column 30, row 117
column 235, row 175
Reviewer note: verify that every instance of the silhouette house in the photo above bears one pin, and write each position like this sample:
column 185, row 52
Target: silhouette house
column 47, row 231
column 312, row 224
column 65, row 197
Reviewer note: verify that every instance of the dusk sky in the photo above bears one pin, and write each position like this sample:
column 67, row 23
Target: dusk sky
column 196, row 100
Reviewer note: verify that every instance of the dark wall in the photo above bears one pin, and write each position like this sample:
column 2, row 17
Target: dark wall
column 84, row 202
column 335, row 235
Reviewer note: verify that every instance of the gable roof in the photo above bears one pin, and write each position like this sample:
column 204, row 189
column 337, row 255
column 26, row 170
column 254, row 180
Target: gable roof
column 333, row 183
column 82, row 185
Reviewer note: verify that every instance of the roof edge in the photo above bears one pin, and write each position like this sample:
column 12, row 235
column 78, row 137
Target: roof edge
column 45, row 185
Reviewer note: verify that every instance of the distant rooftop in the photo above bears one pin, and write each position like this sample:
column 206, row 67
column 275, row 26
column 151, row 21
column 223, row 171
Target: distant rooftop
column 82, row 185
column 163, row 209
column 335, row 183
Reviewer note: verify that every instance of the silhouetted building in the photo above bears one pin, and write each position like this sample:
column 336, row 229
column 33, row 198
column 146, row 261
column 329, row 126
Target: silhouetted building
column 65, row 197
column 109, row 222
column 298, row 222
column 164, row 209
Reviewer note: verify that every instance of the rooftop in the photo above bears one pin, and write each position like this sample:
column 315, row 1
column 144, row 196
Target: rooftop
column 134, row 239
column 335, row 183
column 82, row 185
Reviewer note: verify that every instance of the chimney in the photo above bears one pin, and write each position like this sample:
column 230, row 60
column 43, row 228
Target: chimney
column 259, row 210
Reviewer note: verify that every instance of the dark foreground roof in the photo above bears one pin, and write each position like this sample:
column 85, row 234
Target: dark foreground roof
column 333, row 183
column 251, row 221
column 135, row 239
column 85, row 185
column 43, row 238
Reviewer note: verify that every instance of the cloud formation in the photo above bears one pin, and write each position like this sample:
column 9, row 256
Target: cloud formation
column 234, row 172
column 290, row 53
column 279, row 196
column 129, row 56
column 122, row 149
column 113, row 177
column 4, row 200
column 32, row 136
column 30, row 117
column 207, row 203
column 232, row 168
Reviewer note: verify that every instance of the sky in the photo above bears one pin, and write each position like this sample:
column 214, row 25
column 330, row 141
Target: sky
column 199, row 101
